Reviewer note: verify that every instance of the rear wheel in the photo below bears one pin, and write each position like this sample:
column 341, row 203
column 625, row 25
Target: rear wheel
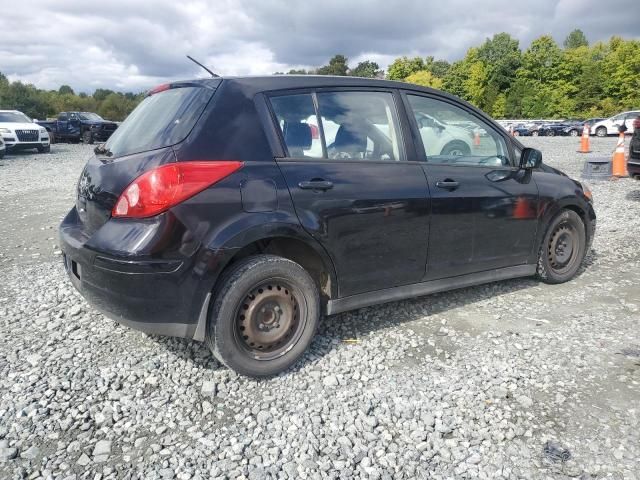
column 264, row 315
column 563, row 248
column 551, row 133
column 601, row 131
column 534, row 133
column 573, row 133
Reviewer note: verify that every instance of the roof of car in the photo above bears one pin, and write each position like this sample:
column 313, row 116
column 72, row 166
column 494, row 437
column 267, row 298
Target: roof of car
column 277, row 82
column 285, row 82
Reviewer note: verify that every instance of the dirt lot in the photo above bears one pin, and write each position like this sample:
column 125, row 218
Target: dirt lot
column 467, row 384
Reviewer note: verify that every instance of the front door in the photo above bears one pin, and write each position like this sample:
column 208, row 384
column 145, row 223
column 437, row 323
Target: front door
column 352, row 186
column 483, row 208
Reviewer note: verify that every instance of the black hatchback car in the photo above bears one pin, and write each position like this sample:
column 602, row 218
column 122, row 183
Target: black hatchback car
column 237, row 211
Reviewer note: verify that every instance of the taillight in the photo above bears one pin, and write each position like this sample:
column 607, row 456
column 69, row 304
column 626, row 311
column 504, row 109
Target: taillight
column 159, row 189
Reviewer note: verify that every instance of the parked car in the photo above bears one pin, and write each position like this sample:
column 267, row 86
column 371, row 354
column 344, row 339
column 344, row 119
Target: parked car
column 560, row 129
column 590, row 122
column 214, row 214
column 3, row 148
column 20, row 133
column 87, row 127
column 522, row 130
column 610, row 125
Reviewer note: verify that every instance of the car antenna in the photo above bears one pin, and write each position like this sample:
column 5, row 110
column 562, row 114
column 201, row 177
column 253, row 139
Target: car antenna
column 198, row 63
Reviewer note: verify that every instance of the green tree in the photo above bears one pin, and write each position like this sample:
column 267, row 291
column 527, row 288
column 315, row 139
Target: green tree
column 366, row 69
column 337, row 66
column 501, row 56
column 576, row 39
column 101, row 93
column 402, row 67
column 66, row 90
column 424, row 78
column 439, row 68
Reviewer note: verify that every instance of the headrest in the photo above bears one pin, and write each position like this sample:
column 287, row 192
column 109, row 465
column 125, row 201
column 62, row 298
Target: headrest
column 297, row 135
column 350, row 139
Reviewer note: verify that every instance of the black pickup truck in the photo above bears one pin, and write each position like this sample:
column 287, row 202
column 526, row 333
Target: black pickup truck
column 87, row 127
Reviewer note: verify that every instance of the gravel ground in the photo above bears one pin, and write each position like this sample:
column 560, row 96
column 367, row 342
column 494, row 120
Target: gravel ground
column 516, row 379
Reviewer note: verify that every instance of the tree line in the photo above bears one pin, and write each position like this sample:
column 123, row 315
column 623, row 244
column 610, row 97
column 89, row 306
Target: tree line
column 41, row 104
column 575, row 80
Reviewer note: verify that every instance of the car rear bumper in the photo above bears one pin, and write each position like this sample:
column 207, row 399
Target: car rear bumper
column 157, row 296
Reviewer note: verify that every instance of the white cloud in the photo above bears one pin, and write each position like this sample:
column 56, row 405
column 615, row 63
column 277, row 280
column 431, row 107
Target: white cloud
column 132, row 45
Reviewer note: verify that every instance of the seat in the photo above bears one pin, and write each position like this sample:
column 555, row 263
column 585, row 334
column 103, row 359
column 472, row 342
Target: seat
column 349, row 140
column 297, row 137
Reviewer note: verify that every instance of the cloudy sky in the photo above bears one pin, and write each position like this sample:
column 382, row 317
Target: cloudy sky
column 135, row 44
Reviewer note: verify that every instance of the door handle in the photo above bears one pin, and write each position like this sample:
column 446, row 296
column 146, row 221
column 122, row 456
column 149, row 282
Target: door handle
column 316, row 185
column 448, row 184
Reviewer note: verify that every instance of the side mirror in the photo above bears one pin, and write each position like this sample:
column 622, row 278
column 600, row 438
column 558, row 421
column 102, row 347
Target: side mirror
column 530, row 158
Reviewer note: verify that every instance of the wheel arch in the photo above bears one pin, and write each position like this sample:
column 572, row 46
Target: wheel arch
column 584, row 211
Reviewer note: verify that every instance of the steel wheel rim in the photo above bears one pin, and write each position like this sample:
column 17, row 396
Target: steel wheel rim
column 456, row 152
column 563, row 248
column 270, row 319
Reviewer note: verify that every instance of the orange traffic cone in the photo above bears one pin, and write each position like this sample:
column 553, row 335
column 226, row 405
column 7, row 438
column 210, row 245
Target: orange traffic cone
column 476, row 138
column 584, row 141
column 522, row 210
column 619, row 162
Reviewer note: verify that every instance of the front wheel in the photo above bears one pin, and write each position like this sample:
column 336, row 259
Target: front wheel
column 534, row 133
column 601, row 131
column 563, row 248
column 87, row 137
column 264, row 315
column 573, row 133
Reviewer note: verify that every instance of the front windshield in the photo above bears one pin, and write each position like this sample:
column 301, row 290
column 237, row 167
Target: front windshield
column 94, row 117
column 14, row 117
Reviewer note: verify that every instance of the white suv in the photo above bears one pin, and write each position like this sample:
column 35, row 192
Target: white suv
column 19, row 132
column 610, row 126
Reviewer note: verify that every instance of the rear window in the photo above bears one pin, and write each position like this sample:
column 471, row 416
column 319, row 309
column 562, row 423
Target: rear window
column 161, row 120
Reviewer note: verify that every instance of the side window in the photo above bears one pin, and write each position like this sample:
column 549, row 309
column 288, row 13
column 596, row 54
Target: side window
column 360, row 125
column 297, row 120
column 451, row 135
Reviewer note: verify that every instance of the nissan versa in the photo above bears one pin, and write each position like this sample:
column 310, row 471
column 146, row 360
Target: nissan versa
column 237, row 211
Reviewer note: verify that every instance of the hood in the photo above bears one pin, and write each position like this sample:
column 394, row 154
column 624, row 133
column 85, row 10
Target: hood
column 20, row 126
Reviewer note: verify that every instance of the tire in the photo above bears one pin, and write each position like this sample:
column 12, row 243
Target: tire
column 534, row 133
column 573, row 133
column 87, row 137
column 563, row 248
column 601, row 131
column 551, row 133
column 456, row 148
column 251, row 340
column 42, row 149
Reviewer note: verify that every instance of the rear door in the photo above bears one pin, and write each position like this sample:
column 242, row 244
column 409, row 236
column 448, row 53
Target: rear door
column 484, row 209
column 353, row 186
